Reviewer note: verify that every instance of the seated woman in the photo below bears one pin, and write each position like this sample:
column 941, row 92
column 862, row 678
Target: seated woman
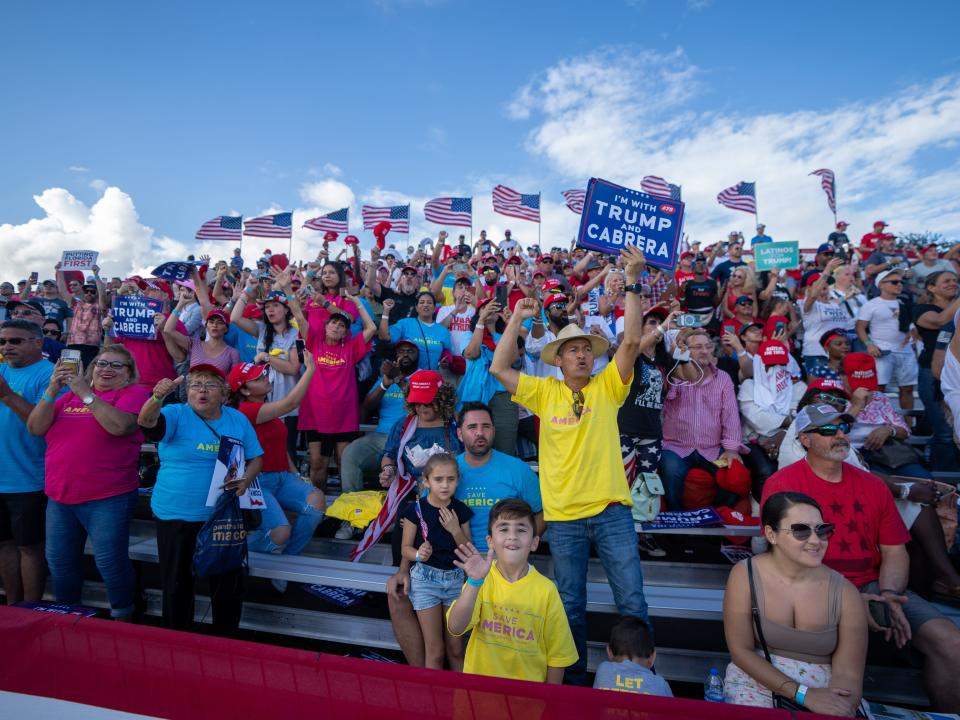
column 283, row 490
column 188, row 442
column 812, row 619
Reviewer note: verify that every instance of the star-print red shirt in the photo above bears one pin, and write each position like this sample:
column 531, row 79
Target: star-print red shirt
column 862, row 508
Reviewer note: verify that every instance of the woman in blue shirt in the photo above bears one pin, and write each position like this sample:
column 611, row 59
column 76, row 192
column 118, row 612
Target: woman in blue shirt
column 188, row 442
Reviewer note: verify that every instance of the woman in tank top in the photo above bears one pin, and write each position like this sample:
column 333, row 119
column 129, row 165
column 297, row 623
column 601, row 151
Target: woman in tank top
column 813, row 620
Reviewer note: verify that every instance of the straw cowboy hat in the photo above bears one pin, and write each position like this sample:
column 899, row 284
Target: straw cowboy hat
column 598, row 344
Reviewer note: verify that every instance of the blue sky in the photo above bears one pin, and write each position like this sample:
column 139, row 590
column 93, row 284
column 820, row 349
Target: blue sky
column 188, row 110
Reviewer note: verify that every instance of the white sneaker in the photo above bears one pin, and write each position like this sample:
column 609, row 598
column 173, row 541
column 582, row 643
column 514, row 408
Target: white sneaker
column 344, row 532
column 279, row 585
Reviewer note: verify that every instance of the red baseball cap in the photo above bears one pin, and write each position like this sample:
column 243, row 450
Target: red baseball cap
column 879, row 222
column 551, row 284
column 541, row 258
column 773, row 352
column 822, row 383
column 330, row 236
column 661, row 311
column 861, row 371
column 218, row 313
column 457, row 364
column 423, row 386
column 351, row 240
column 245, row 372
column 553, row 298
column 844, row 223
column 515, row 260
column 207, row 367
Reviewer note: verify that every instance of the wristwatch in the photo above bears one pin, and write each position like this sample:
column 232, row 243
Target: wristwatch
column 634, row 288
column 88, row 400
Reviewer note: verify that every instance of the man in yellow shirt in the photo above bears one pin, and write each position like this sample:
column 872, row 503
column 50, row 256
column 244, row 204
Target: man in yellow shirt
column 586, row 499
column 520, row 630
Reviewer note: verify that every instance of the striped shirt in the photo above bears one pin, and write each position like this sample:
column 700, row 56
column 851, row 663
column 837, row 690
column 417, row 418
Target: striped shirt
column 702, row 417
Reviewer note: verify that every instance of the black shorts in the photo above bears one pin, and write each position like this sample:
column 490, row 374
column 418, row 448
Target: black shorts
column 328, row 441
column 23, row 517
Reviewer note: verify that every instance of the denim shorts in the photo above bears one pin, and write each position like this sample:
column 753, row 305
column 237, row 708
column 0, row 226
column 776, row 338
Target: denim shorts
column 430, row 586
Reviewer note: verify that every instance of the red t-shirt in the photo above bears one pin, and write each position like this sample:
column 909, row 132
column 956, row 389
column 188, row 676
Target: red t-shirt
column 862, row 508
column 681, row 277
column 272, row 436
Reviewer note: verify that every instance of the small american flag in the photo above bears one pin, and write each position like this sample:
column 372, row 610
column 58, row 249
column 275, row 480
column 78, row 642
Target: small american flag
column 742, row 196
column 336, row 221
column 575, row 200
column 273, row 226
column 828, row 182
column 450, row 211
column 397, row 215
column 507, row 201
column 657, row 186
column 222, row 227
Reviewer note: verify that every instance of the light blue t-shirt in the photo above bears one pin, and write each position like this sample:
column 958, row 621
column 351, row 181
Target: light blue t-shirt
column 477, row 383
column 188, row 454
column 392, row 407
column 21, row 454
column 244, row 342
column 432, row 340
column 501, row 477
column 628, row 676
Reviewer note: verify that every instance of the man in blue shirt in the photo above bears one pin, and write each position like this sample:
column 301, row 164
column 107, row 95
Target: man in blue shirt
column 24, row 377
column 761, row 236
column 386, row 400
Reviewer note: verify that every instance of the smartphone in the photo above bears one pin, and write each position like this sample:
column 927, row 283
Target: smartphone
column 300, row 350
column 732, row 329
column 34, row 276
column 343, row 292
column 71, row 359
column 779, row 327
column 880, row 612
column 500, row 296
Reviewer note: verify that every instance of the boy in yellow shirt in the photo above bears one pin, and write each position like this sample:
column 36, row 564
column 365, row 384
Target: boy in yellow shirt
column 520, row 629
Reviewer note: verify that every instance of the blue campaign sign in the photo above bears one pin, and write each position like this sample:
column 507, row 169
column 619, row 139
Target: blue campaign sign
column 133, row 316
column 174, row 271
column 615, row 216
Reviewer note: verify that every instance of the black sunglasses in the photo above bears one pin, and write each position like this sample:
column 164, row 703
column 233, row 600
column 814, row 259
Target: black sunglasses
column 578, row 400
column 831, row 430
column 893, row 282
column 52, row 332
column 12, row 341
column 802, row 531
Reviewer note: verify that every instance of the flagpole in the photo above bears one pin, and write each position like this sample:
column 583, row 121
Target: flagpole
column 471, row 221
column 290, row 244
column 756, row 206
column 834, row 201
column 540, row 213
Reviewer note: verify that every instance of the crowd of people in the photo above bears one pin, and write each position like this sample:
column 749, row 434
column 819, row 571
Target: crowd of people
column 761, row 394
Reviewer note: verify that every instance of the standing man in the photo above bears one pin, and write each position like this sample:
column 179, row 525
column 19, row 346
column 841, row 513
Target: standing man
column 761, row 236
column 721, row 272
column 586, row 499
column 838, row 238
column 24, row 377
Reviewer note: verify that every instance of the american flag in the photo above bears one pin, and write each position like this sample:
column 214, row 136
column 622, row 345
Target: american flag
column 450, row 211
column 336, row 221
column 507, row 201
column 275, row 226
column 828, row 182
column 657, row 186
column 222, row 227
column 742, row 196
column 397, row 215
column 575, row 200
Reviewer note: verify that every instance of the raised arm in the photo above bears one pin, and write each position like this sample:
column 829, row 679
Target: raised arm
column 369, row 326
column 507, row 347
column 372, row 282
column 472, row 350
column 279, row 408
column 248, row 325
column 437, row 249
column 172, row 336
column 626, row 354
column 201, row 290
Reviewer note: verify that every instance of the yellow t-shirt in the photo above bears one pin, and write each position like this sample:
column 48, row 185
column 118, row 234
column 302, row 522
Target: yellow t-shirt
column 518, row 629
column 581, row 469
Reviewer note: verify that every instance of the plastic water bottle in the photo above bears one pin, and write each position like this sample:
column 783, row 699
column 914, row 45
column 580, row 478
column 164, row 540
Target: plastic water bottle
column 713, row 687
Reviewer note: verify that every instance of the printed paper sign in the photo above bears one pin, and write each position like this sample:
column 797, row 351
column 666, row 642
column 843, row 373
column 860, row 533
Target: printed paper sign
column 674, row 519
column 81, row 260
column 133, row 316
column 615, row 216
column 341, row 597
column 776, row 256
column 174, row 271
column 230, row 465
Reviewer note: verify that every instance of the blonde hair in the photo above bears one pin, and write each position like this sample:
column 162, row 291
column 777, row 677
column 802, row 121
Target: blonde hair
column 437, row 460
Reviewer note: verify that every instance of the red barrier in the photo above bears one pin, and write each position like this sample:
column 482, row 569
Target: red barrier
column 170, row 674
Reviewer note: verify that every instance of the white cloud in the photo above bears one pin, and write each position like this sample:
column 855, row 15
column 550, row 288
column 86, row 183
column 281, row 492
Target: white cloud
column 330, row 194
column 99, row 185
column 622, row 115
column 78, row 169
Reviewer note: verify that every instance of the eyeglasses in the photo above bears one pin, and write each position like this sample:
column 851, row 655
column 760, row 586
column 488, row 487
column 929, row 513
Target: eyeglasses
column 802, row 531
column 12, row 341
column 699, row 347
column 52, row 332
column 408, row 273
column 115, row 364
column 831, row 430
column 209, row 387
column 549, row 261
column 578, row 400
column 830, row 399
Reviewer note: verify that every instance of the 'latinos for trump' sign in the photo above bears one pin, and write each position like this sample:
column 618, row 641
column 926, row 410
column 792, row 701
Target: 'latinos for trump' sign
column 133, row 316
column 614, row 217
column 776, row 256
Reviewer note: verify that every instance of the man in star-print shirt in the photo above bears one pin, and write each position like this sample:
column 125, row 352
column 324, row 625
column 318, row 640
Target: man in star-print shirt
column 868, row 545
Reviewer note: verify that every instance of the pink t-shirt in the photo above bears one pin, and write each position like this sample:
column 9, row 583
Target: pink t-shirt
column 331, row 404
column 317, row 314
column 152, row 359
column 84, row 461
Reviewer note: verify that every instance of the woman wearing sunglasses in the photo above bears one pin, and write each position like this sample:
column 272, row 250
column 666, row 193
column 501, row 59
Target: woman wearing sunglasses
column 811, row 620
column 92, row 462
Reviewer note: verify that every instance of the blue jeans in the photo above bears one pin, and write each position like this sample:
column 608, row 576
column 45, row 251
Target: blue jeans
column 107, row 523
column 673, row 473
column 943, row 453
column 909, row 470
column 615, row 537
column 285, row 491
